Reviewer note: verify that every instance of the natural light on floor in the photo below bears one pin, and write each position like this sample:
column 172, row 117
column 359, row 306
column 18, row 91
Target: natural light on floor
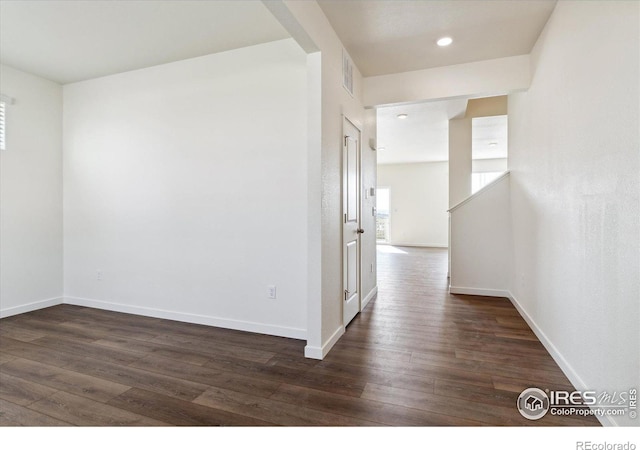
column 390, row 249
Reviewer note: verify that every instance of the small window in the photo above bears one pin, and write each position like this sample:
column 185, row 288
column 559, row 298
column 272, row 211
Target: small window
column 4, row 101
column 3, row 140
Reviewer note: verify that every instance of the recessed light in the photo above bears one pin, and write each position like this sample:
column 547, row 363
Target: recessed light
column 444, row 41
column 493, row 144
column 402, row 116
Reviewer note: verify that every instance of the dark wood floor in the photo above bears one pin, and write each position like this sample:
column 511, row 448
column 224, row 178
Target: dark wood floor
column 416, row 356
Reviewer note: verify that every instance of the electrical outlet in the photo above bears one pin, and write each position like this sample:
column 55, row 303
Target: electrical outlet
column 99, row 275
column 271, row 291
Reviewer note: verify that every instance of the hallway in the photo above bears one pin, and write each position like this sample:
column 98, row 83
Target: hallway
column 460, row 359
column 416, row 356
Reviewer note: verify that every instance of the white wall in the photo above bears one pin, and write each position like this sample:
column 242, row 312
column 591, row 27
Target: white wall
column 575, row 185
column 186, row 186
column 307, row 22
column 30, row 194
column 460, row 162
column 480, row 249
column 419, row 202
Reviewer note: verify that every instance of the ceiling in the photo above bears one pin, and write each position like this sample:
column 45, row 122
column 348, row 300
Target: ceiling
column 424, row 135
column 391, row 36
column 67, row 41
column 489, row 137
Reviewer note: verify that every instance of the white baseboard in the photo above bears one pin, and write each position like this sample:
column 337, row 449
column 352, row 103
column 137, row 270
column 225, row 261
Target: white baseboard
column 564, row 365
column 320, row 352
column 479, row 291
column 369, row 296
column 21, row 309
column 275, row 330
column 314, row 352
column 560, row 360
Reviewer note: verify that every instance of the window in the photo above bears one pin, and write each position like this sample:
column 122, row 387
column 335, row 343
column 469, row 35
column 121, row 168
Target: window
column 4, row 101
column 3, row 106
column 481, row 179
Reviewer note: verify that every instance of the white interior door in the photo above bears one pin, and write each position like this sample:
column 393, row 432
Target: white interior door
column 351, row 221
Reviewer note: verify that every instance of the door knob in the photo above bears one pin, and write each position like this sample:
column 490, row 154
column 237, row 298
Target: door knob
column 359, row 231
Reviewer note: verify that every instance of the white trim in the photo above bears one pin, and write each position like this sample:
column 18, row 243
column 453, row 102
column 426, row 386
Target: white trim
column 355, row 122
column 321, row 352
column 313, row 352
column 560, row 360
column 479, row 291
column 367, row 299
column 21, row 309
column 295, row 333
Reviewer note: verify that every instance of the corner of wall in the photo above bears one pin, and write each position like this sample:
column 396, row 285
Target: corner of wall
column 34, row 306
column 320, row 352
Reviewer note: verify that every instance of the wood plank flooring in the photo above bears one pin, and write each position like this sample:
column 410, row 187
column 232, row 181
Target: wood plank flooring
column 416, row 356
